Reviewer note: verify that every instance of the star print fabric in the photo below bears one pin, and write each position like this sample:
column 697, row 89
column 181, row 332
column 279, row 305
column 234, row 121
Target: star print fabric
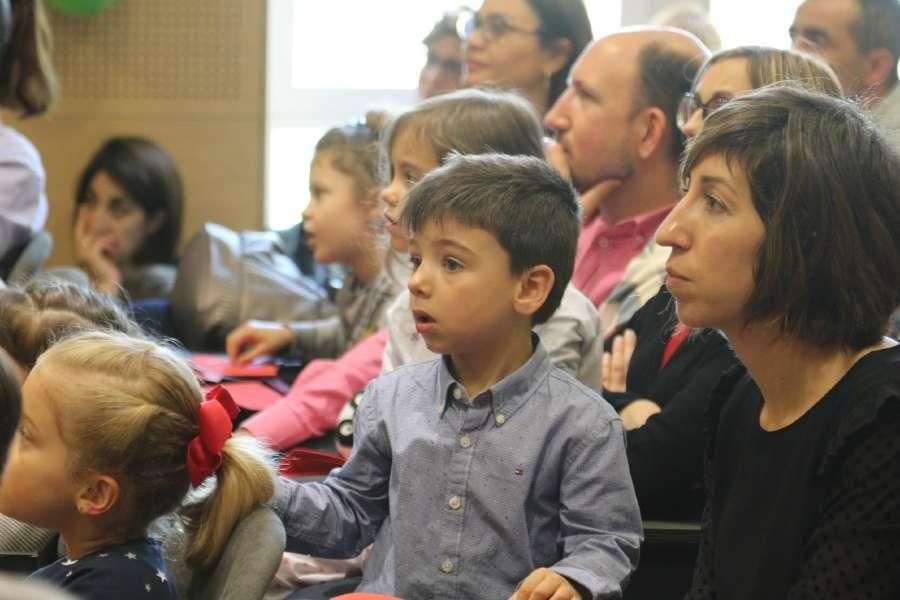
column 134, row 570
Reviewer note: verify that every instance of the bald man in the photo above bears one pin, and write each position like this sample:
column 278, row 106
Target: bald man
column 618, row 141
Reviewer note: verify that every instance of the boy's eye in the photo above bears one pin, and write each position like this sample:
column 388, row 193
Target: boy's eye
column 452, row 265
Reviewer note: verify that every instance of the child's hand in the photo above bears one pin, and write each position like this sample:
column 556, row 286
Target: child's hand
column 256, row 338
column 615, row 363
column 544, row 584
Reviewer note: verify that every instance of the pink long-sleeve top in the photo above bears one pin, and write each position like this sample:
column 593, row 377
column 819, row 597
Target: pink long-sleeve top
column 311, row 407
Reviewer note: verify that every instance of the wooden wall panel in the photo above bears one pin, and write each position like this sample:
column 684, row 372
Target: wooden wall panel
column 189, row 74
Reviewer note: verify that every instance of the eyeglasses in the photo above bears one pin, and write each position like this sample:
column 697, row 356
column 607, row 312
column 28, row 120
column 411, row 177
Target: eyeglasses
column 493, row 26
column 690, row 104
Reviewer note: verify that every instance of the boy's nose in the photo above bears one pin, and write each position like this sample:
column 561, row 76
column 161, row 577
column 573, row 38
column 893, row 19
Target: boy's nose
column 417, row 283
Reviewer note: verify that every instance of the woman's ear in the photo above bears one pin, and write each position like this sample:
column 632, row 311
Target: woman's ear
column 534, row 287
column 98, row 494
column 557, row 54
column 155, row 222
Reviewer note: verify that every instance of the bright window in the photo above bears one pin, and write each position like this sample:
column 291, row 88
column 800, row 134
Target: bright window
column 329, row 62
column 760, row 23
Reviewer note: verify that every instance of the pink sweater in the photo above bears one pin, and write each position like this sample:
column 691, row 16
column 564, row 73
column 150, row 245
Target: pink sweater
column 324, row 386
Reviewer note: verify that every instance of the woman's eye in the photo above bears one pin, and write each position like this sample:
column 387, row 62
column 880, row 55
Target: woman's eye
column 713, row 204
column 415, row 261
column 410, row 177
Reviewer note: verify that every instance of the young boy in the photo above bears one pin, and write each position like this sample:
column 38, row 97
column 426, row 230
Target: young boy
column 487, row 469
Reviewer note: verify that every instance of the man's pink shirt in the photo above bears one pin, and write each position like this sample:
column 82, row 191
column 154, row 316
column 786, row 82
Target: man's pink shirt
column 604, row 251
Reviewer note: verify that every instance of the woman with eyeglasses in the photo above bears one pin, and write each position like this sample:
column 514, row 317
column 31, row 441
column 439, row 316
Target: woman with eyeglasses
column 526, row 45
column 729, row 73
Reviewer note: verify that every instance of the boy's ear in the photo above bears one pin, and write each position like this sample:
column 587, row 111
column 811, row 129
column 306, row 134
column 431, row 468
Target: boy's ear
column 534, row 287
column 99, row 493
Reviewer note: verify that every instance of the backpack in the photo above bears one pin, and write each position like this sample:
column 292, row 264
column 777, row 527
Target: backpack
column 226, row 277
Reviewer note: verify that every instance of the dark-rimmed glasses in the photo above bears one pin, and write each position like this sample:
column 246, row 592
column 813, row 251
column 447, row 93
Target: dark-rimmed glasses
column 492, row 27
column 690, row 104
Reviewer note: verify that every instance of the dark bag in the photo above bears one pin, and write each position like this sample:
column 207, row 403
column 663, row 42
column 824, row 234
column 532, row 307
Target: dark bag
column 226, row 277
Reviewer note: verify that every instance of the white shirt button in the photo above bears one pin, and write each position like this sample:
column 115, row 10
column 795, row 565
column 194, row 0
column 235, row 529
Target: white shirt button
column 447, row 566
column 603, row 242
column 455, row 502
column 465, row 441
column 457, row 393
column 500, row 419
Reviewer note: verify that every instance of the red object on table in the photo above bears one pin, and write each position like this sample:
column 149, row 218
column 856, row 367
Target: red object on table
column 213, row 367
column 364, row 596
column 306, row 462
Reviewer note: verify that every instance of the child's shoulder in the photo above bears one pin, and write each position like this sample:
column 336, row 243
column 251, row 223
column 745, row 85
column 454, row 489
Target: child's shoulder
column 418, row 375
column 120, row 571
column 567, row 392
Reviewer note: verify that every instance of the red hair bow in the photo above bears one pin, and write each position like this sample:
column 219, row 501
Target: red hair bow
column 214, row 417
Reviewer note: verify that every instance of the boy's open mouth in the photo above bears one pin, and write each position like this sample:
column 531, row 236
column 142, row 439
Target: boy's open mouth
column 424, row 321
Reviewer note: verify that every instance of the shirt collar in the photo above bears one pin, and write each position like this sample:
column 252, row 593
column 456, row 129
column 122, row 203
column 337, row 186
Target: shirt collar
column 508, row 394
column 644, row 224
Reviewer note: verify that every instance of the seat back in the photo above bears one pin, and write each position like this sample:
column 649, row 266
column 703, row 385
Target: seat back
column 246, row 567
column 30, row 259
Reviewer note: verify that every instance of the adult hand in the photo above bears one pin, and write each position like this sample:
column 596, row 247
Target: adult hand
column 94, row 253
column 614, row 367
column 256, row 338
column 544, row 584
column 636, row 413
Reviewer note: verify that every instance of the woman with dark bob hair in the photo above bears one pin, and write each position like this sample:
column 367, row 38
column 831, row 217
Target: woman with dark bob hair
column 786, row 241
column 525, row 45
column 127, row 220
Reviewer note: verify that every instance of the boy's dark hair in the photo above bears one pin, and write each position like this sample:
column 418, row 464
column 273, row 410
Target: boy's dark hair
column 826, row 185
column 532, row 211
column 32, row 319
column 150, row 177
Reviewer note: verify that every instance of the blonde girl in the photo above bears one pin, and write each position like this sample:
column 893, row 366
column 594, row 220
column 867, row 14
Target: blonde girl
column 342, row 225
column 114, row 432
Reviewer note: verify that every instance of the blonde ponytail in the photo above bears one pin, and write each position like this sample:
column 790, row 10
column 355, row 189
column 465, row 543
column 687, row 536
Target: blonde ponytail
column 244, row 481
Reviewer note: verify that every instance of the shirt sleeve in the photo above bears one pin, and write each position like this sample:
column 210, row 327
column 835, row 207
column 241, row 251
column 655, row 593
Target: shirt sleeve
column 311, row 407
column 23, row 208
column 572, row 337
column 855, row 547
column 600, row 522
column 339, row 517
column 317, row 338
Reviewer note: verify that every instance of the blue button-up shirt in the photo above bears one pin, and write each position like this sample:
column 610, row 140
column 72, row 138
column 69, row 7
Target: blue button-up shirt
column 463, row 498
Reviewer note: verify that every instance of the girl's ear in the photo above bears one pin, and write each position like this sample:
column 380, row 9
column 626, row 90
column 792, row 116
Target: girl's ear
column 534, row 287
column 98, row 495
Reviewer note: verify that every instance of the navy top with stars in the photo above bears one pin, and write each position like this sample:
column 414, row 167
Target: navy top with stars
column 135, row 569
